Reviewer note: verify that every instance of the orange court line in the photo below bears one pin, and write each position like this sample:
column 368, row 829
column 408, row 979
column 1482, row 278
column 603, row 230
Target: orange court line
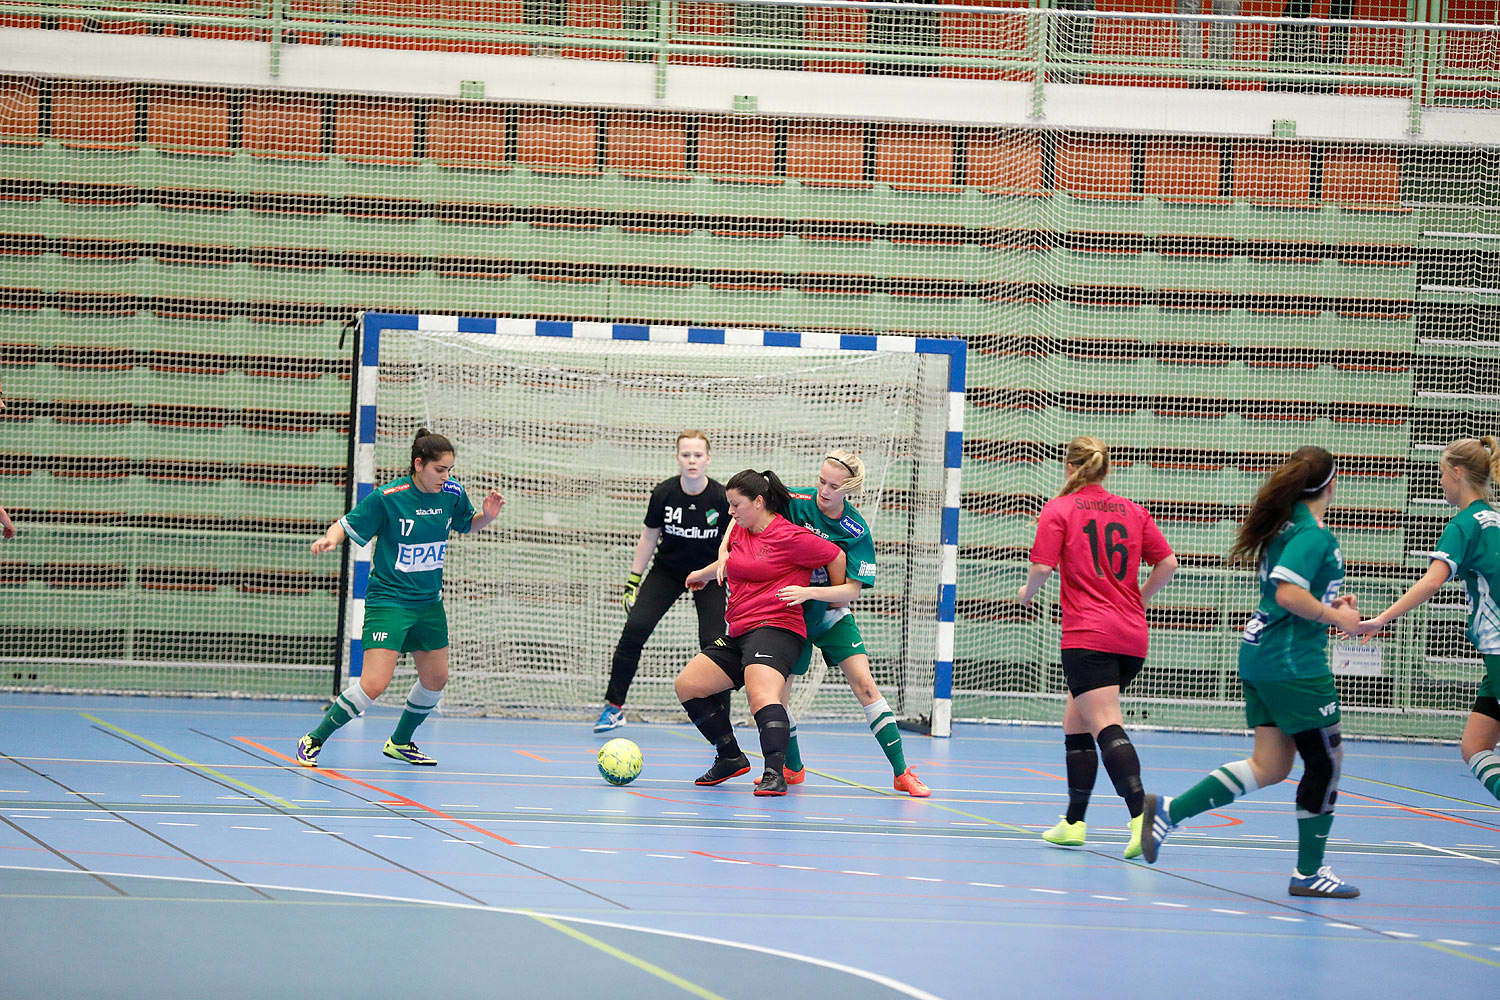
column 533, row 756
column 1417, row 812
column 395, row 797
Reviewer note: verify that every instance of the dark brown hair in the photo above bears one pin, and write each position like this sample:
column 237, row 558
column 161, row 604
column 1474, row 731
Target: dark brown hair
column 1305, row 474
column 428, row 446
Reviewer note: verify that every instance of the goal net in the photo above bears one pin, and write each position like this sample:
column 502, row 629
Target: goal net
column 576, row 423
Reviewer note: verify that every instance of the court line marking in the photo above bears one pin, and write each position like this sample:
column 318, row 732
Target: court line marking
column 1456, row 854
column 1423, row 812
column 874, row 977
column 189, row 762
column 1418, row 791
column 627, row 958
column 395, row 796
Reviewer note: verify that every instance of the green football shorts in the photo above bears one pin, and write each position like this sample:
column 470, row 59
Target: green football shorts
column 838, row 642
column 1292, row 706
column 406, row 630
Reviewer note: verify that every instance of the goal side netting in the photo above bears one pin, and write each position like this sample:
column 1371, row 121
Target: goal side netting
column 576, row 423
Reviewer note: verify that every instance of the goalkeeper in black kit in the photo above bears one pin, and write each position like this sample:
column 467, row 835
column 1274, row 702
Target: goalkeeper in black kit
column 685, row 521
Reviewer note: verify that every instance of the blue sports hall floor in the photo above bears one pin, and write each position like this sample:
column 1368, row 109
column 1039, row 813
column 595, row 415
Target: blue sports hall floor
column 170, row 848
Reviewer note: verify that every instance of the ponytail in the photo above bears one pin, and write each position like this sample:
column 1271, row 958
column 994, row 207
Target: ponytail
column 428, row 446
column 1303, row 476
column 752, row 484
column 1478, row 461
column 1090, row 461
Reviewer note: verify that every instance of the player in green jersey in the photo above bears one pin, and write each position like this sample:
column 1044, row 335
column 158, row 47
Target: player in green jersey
column 1290, row 699
column 1469, row 549
column 831, row 627
column 411, row 517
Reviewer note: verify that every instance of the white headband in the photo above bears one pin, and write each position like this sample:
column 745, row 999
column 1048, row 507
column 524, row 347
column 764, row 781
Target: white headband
column 1318, row 488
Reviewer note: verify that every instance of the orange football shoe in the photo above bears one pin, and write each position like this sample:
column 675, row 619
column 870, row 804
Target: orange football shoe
column 908, row 782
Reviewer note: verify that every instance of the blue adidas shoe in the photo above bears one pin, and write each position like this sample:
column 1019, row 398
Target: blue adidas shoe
column 1322, row 884
column 1156, row 823
column 613, row 717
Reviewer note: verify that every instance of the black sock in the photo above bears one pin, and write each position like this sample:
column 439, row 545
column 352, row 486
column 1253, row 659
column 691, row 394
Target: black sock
column 1083, row 768
column 714, row 724
column 775, row 731
column 1124, row 767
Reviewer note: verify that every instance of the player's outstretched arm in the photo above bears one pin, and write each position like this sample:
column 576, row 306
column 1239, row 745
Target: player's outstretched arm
column 1343, row 616
column 645, row 547
column 724, row 550
column 700, row 578
column 839, row 596
column 7, row 526
column 838, row 570
column 331, row 539
column 490, row 510
column 1034, row 580
column 1416, row 595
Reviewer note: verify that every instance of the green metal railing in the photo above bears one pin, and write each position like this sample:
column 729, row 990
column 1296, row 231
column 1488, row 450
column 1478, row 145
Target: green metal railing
column 1431, row 62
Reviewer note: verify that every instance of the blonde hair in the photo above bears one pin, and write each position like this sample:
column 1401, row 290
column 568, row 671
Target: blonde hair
column 855, row 466
column 1478, row 461
column 693, row 435
column 1090, row 461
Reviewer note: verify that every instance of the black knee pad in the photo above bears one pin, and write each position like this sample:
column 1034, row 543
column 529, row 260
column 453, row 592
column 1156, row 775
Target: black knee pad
column 1322, row 753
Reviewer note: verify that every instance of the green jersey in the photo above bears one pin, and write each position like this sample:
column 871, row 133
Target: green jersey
column 1470, row 545
column 407, row 569
column 1278, row 645
column 850, row 533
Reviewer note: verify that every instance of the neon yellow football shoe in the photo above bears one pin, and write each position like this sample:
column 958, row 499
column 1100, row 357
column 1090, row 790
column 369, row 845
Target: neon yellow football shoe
column 1066, row 834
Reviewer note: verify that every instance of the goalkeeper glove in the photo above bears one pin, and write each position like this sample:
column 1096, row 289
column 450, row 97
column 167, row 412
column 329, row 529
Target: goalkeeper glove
column 632, row 585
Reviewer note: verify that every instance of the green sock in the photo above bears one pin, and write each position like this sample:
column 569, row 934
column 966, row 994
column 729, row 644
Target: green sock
column 419, row 704
column 883, row 724
column 333, row 720
column 793, row 752
column 1486, row 767
column 1312, row 841
column 1222, row 786
column 349, row 704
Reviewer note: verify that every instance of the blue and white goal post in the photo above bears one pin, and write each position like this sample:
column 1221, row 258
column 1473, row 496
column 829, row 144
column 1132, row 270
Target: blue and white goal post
column 574, row 423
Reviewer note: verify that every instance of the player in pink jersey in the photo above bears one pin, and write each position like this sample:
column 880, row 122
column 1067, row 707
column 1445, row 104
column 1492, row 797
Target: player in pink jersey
column 1098, row 541
column 765, row 634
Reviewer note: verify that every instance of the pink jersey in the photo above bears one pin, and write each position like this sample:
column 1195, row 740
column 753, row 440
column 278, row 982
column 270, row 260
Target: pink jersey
column 760, row 564
column 1096, row 541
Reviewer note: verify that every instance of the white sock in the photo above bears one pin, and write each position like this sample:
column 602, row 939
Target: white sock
column 874, row 711
column 420, row 700
column 354, row 700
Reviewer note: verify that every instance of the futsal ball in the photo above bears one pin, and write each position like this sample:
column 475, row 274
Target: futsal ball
column 620, row 761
